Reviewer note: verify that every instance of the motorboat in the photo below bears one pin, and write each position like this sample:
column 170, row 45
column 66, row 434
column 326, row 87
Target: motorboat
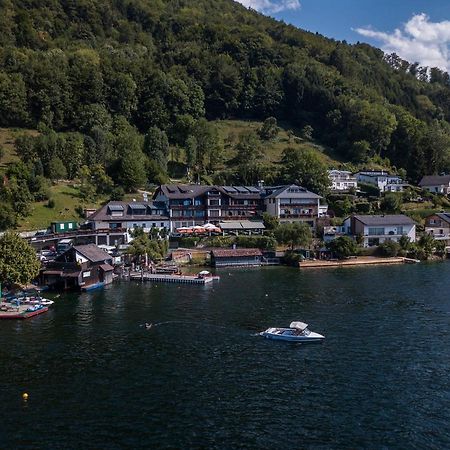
column 297, row 332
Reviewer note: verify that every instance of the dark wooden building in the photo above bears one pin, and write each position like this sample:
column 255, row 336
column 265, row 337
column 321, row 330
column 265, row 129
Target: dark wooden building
column 236, row 257
column 82, row 267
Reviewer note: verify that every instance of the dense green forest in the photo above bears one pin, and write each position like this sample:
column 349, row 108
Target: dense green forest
column 113, row 86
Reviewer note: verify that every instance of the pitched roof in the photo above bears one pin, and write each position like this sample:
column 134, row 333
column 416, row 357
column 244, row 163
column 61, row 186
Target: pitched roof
column 293, row 191
column 92, row 252
column 433, row 180
column 445, row 216
column 385, row 219
column 237, row 252
column 127, row 209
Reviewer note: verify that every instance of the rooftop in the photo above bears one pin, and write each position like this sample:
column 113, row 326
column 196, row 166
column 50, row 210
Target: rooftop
column 237, row 252
column 385, row 219
column 432, row 180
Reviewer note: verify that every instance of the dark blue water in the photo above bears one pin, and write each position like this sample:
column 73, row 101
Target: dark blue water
column 202, row 378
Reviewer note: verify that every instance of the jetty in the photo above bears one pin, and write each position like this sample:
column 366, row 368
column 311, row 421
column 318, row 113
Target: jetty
column 172, row 278
column 8, row 311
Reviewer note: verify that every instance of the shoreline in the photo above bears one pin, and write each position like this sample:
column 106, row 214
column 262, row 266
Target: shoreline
column 359, row 261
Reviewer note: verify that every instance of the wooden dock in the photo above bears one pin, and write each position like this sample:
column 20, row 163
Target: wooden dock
column 170, row 278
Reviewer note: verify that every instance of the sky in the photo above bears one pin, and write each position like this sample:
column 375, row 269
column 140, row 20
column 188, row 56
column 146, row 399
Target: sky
column 417, row 30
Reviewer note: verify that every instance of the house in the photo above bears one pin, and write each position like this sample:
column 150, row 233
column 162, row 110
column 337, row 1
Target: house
column 294, row 204
column 190, row 205
column 437, row 184
column 438, row 225
column 236, row 257
column 374, row 230
column 342, row 180
column 80, row 267
column 117, row 215
column 382, row 180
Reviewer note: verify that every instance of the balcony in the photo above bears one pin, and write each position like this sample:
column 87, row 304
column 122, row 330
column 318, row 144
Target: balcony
column 297, row 216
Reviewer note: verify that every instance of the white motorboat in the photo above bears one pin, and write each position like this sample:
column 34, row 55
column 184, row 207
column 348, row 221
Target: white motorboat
column 297, row 332
column 36, row 301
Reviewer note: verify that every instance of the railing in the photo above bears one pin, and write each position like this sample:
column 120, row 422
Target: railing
column 297, row 216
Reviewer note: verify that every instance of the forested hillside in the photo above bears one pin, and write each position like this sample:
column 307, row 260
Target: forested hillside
column 118, row 88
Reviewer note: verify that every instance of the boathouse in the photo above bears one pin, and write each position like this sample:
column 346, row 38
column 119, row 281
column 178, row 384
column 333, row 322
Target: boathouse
column 81, row 267
column 236, row 257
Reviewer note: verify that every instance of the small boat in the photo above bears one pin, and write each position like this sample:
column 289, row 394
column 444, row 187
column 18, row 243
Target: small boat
column 297, row 332
column 36, row 301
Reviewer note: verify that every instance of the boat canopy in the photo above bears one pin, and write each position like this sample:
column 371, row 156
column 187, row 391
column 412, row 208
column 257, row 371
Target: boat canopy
column 299, row 325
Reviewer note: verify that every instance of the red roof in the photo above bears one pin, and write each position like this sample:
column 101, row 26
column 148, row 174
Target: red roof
column 107, row 268
column 238, row 252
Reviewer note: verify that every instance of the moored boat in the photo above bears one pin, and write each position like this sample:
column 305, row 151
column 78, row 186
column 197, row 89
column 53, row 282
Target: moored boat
column 297, row 332
column 17, row 311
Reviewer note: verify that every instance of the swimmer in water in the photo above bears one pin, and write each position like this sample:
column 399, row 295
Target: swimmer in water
column 148, row 326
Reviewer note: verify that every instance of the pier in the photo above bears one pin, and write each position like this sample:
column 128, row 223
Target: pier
column 171, row 278
column 357, row 261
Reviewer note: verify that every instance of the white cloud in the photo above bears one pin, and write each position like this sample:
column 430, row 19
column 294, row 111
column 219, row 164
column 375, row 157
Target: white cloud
column 420, row 40
column 271, row 6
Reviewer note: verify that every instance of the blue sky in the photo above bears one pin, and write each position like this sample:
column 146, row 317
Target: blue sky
column 417, row 30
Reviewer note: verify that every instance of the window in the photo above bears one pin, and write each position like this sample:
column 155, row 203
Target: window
column 376, row 231
column 399, row 230
column 214, row 202
column 70, row 226
column 162, row 225
column 114, row 225
column 86, row 274
column 214, row 213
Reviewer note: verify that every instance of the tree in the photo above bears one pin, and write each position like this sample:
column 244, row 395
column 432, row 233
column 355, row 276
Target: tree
column 307, row 132
column 7, row 217
column 270, row 222
column 57, row 169
column 156, row 146
column 249, row 157
column 269, row 129
column 343, row 247
column 302, row 166
column 391, row 202
column 359, row 151
column 297, row 234
column 18, row 262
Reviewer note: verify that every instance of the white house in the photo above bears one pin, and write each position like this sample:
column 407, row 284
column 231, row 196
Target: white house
column 294, row 204
column 129, row 215
column 382, row 180
column 438, row 184
column 375, row 230
column 342, row 180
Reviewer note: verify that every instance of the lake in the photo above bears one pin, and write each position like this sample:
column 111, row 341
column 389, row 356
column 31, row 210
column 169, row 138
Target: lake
column 202, row 377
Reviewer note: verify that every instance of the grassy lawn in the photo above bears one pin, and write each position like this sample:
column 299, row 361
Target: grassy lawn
column 7, row 138
column 66, row 199
column 230, row 130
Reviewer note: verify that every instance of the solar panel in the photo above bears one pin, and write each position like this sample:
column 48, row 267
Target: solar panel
column 137, row 206
column 252, row 189
column 229, row 189
column 241, row 189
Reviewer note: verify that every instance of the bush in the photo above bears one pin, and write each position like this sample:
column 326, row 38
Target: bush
column 188, row 241
column 50, row 203
column 343, row 247
column 292, row 259
column 262, row 242
column 389, row 248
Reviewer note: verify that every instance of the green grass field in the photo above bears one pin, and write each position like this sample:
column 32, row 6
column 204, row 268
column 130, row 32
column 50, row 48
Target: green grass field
column 66, row 199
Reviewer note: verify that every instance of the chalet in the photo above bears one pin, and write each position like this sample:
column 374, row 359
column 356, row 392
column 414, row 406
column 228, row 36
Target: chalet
column 382, row 180
column 236, row 257
column 81, row 267
column 437, row 184
column 438, row 225
column 374, row 230
column 129, row 215
column 294, row 204
column 342, row 180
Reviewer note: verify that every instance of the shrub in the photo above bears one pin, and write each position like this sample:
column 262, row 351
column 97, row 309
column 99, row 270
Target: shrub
column 51, row 203
column 389, row 248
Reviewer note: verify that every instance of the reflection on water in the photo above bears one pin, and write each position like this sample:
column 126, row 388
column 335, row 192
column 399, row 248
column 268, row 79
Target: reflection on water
column 202, row 377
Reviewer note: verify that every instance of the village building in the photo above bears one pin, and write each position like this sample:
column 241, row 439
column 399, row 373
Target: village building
column 437, row 184
column 191, row 205
column 294, row 204
column 382, row 180
column 236, row 257
column 118, row 215
column 377, row 229
column 342, row 180
column 82, row 267
column 242, row 227
column 438, row 225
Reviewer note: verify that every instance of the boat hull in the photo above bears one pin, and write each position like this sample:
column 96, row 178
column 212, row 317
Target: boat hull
column 284, row 335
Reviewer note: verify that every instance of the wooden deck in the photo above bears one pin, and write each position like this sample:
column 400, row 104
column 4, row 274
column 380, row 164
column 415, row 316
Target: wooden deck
column 166, row 278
